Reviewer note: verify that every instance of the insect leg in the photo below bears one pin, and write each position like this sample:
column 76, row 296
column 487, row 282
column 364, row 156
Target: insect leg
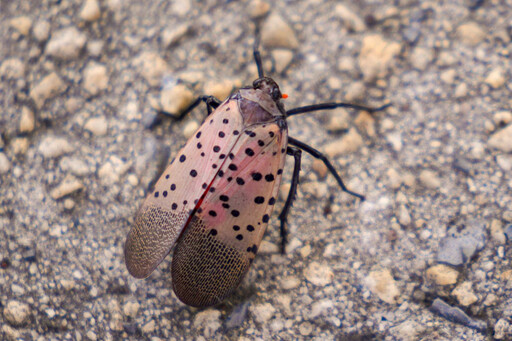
column 330, row 106
column 316, row 154
column 211, row 104
column 297, row 154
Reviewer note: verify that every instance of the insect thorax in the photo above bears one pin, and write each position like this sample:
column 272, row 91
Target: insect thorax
column 261, row 103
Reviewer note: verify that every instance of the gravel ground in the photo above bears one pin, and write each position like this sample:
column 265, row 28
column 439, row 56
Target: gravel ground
column 425, row 257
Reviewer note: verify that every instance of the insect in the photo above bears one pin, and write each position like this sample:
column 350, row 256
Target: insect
column 214, row 201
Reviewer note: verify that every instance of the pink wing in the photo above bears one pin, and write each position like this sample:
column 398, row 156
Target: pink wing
column 167, row 210
column 221, row 240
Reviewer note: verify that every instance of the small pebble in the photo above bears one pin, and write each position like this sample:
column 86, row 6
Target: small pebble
column 352, row 21
column 190, row 129
column 382, row 284
column 12, row 68
column 471, row 33
column 52, row 146
column 461, row 90
column 276, row 32
column 69, row 204
column 91, row 335
column 497, row 233
column 176, row 99
column 10, row 333
column 430, row 179
column 395, row 140
column 376, row 56
column 5, row 164
column 448, row 76
column 289, row 282
column 356, row 92
column 318, row 274
column 41, row 30
column 404, row 217
column 502, row 139
column 112, row 170
column 21, row 24
column 459, row 249
column 347, row 144
column 421, row 57
column 442, row 274
column 95, row 48
column 502, row 330
column 182, row 7
column 50, row 86
column 131, row 309
column 90, row 11
column 339, row 120
column 267, row 247
column 20, row 145
column 66, row 43
column 282, row 58
column 16, row 313
column 258, row 8
column 95, row 78
column 319, row 168
column 76, row 165
column 464, row 294
column 173, row 35
column 66, row 187
column 496, row 78
column 321, row 308
column 305, row 329
column 502, row 117
column 27, row 120
column 262, row 313
column 209, row 321
column 219, row 89
column 152, row 67
column 97, row 125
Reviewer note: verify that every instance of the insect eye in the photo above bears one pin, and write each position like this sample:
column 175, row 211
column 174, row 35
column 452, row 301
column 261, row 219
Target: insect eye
column 276, row 94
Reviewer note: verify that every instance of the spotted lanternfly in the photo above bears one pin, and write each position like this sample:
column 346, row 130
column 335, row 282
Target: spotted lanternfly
column 213, row 202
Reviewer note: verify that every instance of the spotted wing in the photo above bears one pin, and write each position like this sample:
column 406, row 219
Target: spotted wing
column 167, row 210
column 221, row 241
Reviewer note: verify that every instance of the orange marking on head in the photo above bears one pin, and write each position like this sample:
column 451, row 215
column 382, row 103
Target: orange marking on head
column 284, row 96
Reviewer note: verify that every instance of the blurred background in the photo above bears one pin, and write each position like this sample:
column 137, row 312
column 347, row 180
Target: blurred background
column 425, row 257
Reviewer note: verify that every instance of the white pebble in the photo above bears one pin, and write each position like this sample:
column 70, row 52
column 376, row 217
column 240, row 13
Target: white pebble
column 90, row 11
column 5, row 164
column 502, row 140
column 262, row 312
column 12, row 68
column 41, row 30
column 176, row 99
column 27, row 120
column 21, row 24
column 95, row 78
column 66, row 43
column 97, row 125
column 318, row 274
column 16, row 313
column 47, row 88
column 276, row 32
column 52, row 146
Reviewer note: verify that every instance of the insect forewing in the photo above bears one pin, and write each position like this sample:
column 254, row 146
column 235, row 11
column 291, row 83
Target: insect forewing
column 167, row 210
column 220, row 242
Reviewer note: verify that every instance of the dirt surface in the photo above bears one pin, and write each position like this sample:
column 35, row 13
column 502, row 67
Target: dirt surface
column 81, row 143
